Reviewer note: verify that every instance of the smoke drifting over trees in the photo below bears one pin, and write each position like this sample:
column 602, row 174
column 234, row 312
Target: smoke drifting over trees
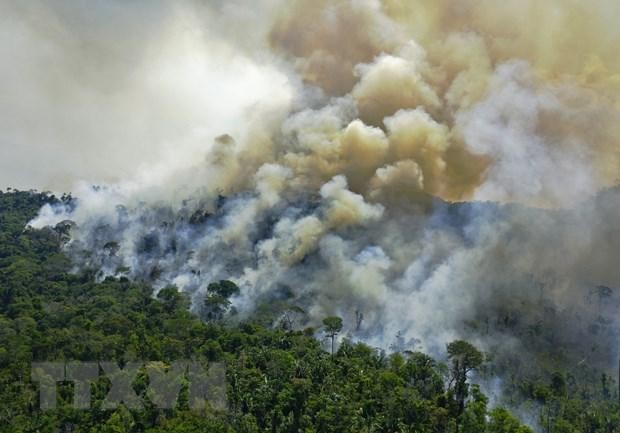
column 340, row 158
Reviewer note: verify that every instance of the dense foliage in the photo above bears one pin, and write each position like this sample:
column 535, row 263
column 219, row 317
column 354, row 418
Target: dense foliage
column 279, row 379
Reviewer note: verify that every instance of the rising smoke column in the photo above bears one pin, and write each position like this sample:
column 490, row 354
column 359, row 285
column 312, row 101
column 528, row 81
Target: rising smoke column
column 337, row 192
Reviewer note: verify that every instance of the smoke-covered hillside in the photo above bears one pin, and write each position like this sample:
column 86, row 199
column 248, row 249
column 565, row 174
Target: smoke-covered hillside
column 276, row 380
column 512, row 278
column 427, row 171
column 356, row 181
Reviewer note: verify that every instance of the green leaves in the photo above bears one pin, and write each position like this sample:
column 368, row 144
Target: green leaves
column 501, row 421
column 216, row 303
column 279, row 379
column 333, row 325
column 465, row 354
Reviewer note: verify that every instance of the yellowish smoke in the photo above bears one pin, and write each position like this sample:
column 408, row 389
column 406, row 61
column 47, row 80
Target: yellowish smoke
column 367, row 110
column 419, row 69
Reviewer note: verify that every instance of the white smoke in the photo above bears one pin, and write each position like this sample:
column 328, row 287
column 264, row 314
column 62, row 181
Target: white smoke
column 100, row 90
column 335, row 175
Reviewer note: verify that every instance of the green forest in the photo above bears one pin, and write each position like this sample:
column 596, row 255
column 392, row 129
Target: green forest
column 278, row 378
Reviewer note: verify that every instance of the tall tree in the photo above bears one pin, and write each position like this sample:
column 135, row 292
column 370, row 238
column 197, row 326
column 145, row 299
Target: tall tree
column 332, row 327
column 465, row 358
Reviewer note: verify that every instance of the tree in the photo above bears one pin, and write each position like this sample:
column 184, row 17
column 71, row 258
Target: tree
column 474, row 417
column 501, row 421
column 173, row 299
column 277, row 380
column 558, row 384
column 217, row 303
column 332, row 327
column 465, row 358
column 121, row 421
column 290, row 316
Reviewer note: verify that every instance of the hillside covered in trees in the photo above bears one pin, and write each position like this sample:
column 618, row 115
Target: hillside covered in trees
column 278, row 379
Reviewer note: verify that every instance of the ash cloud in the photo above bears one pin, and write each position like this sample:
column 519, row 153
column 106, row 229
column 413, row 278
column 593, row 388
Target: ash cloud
column 435, row 168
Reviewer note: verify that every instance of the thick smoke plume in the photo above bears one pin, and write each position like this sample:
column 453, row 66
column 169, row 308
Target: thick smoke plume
column 350, row 155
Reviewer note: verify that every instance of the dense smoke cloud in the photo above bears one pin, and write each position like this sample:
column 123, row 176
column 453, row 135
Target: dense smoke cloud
column 334, row 190
column 99, row 90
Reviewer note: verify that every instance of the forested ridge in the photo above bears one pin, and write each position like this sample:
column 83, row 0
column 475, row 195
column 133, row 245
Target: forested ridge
column 279, row 378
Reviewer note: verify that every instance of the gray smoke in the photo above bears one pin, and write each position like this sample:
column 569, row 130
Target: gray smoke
column 424, row 171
